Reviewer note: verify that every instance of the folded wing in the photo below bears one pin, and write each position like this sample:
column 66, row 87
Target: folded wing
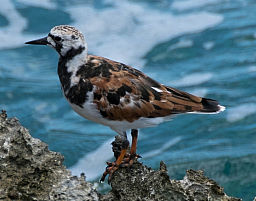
column 124, row 93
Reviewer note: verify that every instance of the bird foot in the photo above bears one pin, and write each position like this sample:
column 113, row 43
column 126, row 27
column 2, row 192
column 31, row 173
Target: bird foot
column 128, row 161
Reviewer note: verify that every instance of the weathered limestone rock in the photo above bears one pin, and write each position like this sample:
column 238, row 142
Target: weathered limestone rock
column 142, row 183
column 29, row 171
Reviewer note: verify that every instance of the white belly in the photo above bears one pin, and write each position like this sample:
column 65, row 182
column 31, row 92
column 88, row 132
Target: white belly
column 90, row 112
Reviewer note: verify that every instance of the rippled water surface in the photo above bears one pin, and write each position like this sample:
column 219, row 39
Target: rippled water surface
column 204, row 47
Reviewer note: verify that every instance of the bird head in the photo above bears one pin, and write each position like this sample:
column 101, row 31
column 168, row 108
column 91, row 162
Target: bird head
column 63, row 39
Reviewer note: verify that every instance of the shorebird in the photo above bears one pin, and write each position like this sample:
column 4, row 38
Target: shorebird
column 114, row 94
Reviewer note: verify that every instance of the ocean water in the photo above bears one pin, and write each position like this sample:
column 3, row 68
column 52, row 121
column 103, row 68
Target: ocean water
column 206, row 47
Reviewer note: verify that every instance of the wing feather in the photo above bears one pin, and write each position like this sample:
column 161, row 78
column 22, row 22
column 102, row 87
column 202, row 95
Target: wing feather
column 124, row 93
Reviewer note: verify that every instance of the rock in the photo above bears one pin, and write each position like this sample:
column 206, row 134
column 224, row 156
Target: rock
column 29, row 171
column 235, row 173
column 142, row 183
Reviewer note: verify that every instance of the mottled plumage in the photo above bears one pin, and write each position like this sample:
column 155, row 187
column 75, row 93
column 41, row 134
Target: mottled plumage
column 122, row 93
column 115, row 94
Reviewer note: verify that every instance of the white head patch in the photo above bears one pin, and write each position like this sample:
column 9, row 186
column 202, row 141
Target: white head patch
column 65, row 37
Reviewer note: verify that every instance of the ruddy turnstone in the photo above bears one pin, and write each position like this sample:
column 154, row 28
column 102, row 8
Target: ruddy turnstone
column 114, row 94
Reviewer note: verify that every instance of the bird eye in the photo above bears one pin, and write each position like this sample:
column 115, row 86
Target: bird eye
column 57, row 38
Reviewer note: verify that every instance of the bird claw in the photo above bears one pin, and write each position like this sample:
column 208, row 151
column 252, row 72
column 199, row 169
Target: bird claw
column 110, row 169
column 110, row 163
column 137, row 156
column 112, row 166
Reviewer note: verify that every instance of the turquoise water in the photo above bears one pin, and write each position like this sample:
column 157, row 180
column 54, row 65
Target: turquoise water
column 204, row 47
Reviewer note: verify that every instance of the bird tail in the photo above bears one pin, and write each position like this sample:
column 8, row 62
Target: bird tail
column 187, row 103
column 210, row 107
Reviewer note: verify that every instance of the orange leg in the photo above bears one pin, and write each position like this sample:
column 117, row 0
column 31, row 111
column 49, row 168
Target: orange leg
column 123, row 160
column 133, row 154
column 129, row 158
column 112, row 167
column 134, row 141
column 121, row 157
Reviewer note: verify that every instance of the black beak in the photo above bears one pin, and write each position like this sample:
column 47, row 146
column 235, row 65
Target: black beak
column 41, row 41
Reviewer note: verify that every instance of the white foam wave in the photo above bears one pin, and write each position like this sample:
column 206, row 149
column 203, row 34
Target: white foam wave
column 94, row 163
column 181, row 44
column 41, row 106
column 192, row 4
column 126, row 31
column 240, row 112
column 164, row 147
column 49, row 4
column 11, row 35
column 192, row 79
column 208, row 45
column 252, row 68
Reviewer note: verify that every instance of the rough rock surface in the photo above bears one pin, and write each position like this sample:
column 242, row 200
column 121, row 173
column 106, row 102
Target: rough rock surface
column 142, row 183
column 29, row 171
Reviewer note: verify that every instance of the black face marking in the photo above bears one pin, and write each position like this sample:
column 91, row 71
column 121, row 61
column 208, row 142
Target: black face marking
column 64, row 75
column 58, row 47
column 74, row 37
column 57, row 38
column 52, row 36
column 113, row 98
column 78, row 93
column 73, row 52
